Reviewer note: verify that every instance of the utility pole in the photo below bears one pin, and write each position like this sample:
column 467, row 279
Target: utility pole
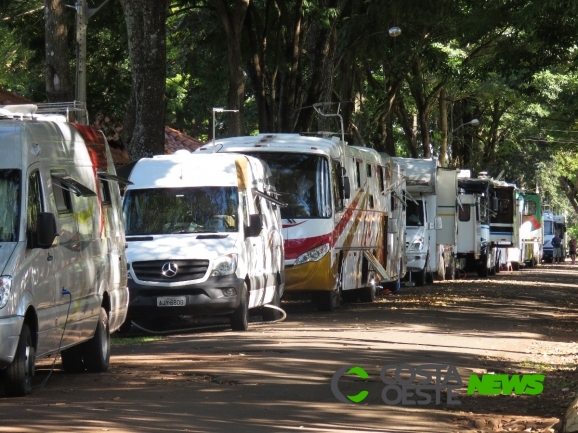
column 83, row 14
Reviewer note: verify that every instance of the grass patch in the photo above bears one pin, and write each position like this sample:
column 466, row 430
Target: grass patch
column 119, row 341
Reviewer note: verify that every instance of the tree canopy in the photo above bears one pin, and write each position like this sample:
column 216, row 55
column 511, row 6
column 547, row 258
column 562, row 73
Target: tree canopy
column 481, row 85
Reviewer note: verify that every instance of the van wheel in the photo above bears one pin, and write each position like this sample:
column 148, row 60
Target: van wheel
column 367, row 294
column 96, row 351
column 18, row 375
column 72, row 360
column 240, row 317
column 271, row 314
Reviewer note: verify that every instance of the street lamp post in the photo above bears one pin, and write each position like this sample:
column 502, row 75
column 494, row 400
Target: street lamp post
column 219, row 110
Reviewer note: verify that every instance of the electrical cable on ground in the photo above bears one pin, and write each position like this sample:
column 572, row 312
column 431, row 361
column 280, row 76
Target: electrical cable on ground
column 201, row 328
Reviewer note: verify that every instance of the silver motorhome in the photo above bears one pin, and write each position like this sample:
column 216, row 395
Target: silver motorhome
column 63, row 282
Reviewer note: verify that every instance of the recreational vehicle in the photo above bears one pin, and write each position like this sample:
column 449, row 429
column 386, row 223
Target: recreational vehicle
column 430, row 220
column 335, row 224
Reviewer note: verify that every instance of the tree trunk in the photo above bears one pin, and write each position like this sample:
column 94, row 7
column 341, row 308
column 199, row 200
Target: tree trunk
column 232, row 22
column 143, row 132
column 443, row 108
column 57, row 69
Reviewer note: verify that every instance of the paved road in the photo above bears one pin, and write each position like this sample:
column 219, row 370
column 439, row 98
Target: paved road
column 276, row 378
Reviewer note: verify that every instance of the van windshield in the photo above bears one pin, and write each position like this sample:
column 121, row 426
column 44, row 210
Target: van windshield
column 180, row 210
column 302, row 181
column 10, row 208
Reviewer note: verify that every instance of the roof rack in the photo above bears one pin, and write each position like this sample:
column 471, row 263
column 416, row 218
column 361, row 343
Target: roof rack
column 45, row 110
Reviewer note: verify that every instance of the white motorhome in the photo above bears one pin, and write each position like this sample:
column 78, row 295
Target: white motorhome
column 475, row 250
column 553, row 224
column 505, row 221
column 63, row 280
column 430, row 220
column 204, row 238
column 531, row 232
column 336, row 223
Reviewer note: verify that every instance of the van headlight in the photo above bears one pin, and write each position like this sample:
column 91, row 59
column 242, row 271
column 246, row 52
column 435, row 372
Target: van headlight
column 312, row 255
column 5, row 286
column 416, row 245
column 224, row 265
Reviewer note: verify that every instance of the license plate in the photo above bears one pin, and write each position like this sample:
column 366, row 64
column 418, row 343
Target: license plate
column 171, row 301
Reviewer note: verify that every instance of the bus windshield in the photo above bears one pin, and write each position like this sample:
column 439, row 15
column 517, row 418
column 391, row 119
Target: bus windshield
column 302, row 181
column 10, row 209
column 180, row 210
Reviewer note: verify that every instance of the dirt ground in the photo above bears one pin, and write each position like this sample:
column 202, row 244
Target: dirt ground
column 276, row 377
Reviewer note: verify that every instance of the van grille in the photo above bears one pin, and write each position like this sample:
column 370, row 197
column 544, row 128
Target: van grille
column 186, row 270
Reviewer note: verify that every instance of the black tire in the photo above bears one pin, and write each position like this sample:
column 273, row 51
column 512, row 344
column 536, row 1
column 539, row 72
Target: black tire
column 497, row 263
column 72, row 360
column 429, row 279
column 483, row 270
column 367, row 294
column 18, row 375
column 515, row 266
column 240, row 317
column 451, row 270
column 96, row 351
column 271, row 314
column 328, row 301
column 419, row 278
column 349, row 296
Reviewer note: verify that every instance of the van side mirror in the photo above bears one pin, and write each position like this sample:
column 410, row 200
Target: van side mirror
column 495, row 204
column 45, row 230
column 346, row 188
column 392, row 225
column 255, row 225
column 438, row 223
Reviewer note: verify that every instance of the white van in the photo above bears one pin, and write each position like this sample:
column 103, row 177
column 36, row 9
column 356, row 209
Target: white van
column 63, row 281
column 204, row 238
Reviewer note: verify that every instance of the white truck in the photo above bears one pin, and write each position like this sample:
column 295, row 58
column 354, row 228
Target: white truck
column 63, row 269
column 431, row 225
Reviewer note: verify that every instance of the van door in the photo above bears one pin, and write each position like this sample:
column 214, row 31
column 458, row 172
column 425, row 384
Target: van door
column 67, row 269
column 257, row 267
column 37, row 270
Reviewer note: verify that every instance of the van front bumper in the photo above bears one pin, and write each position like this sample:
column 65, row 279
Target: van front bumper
column 415, row 261
column 206, row 299
column 10, row 328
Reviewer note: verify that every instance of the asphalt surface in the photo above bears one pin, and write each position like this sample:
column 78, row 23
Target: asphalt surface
column 277, row 377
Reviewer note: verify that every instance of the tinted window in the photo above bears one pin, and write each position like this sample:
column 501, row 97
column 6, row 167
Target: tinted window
column 10, row 209
column 464, row 212
column 414, row 213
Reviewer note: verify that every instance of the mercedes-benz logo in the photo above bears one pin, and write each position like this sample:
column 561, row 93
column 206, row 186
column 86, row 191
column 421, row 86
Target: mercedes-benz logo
column 170, row 269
